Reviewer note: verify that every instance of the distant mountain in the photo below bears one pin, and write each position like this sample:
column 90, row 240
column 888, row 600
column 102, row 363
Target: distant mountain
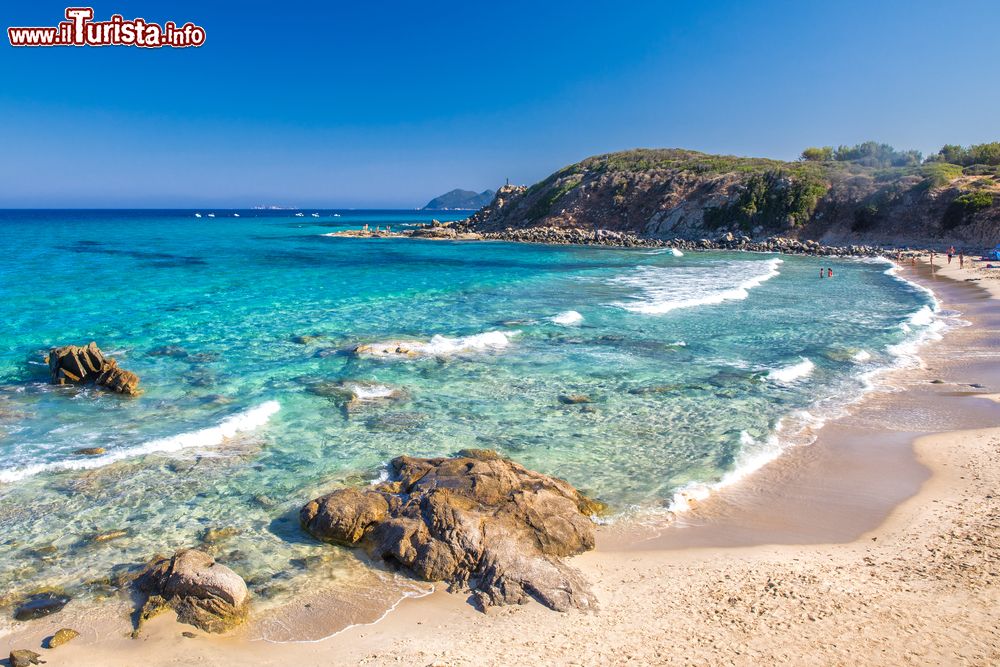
column 461, row 199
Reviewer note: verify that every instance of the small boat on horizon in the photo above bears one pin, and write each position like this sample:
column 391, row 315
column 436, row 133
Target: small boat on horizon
column 211, row 215
column 299, row 215
column 236, row 215
column 197, row 215
column 315, row 215
column 336, row 215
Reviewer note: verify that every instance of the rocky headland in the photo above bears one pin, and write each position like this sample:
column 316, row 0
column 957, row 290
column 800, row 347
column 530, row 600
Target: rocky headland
column 864, row 196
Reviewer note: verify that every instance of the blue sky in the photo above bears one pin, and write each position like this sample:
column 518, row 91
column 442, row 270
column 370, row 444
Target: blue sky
column 386, row 104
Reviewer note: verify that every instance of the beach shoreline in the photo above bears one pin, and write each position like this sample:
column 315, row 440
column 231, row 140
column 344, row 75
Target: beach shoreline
column 774, row 567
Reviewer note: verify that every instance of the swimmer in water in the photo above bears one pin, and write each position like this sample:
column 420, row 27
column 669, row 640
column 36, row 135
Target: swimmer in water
column 829, row 273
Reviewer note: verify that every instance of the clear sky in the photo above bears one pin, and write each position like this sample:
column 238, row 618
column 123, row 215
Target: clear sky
column 387, row 104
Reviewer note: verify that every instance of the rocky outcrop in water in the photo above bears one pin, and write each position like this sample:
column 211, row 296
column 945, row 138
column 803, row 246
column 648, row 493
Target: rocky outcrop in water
column 727, row 241
column 73, row 364
column 205, row 594
column 477, row 521
column 40, row 605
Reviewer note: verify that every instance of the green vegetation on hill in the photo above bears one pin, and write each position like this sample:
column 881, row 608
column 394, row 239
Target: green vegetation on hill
column 770, row 199
column 978, row 154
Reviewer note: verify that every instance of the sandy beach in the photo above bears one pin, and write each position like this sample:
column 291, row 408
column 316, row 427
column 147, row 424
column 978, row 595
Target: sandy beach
column 878, row 544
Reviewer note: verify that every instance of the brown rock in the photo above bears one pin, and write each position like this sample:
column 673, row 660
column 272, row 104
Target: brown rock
column 574, row 399
column 90, row 451
column 61, row 637
column 72, row 364
column 24, row 658
column 205, row 594
column 478, row 521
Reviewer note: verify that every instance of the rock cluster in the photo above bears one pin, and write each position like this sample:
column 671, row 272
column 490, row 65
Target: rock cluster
column 205, row 594
column 73, row 364
column 477, row 521
column 729, row 241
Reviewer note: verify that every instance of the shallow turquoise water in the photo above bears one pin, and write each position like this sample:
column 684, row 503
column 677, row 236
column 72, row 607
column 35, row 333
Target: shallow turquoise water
column 695, row 366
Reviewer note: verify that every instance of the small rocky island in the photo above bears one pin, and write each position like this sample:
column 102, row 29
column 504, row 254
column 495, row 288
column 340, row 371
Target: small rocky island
column 73, row 364
column 479, row 522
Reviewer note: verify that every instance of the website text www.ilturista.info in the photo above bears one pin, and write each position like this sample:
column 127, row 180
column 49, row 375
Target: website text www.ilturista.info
column 79, row 29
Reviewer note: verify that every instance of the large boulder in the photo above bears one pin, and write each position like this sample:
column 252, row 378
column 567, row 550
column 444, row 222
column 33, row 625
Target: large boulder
column 204, row 593
column 477, row 521
column 73, row 364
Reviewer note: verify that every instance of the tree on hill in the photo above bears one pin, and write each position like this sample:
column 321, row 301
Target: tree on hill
column 813, row 154
column 985, row 154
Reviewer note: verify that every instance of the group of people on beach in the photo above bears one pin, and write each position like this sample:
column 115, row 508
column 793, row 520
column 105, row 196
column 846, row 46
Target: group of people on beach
column 951, row 253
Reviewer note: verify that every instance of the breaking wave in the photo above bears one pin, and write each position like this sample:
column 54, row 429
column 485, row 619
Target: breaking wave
column 240, row 422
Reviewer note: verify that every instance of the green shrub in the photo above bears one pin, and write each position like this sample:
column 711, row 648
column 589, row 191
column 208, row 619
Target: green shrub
column 966, row 205
column 770, row 199
column 813, row 154
column 938, row 174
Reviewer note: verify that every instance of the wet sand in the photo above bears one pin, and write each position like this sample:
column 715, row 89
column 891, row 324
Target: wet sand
column 878, row 544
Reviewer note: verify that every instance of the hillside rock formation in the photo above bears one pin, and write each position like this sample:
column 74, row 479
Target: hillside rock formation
column 672, row 193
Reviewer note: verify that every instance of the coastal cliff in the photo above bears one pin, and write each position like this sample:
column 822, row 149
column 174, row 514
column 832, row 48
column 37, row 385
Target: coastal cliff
column 868, row 194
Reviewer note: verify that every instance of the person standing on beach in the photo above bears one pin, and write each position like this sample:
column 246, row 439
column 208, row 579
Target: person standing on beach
column 961, row 260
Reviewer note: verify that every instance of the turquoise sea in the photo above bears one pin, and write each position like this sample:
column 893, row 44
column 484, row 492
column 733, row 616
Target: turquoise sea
column 696, row 368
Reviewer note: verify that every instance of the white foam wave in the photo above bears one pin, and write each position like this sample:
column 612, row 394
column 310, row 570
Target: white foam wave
column 369, row 392
column 797, row 429
column 439, row 346
column 861, row 356
column 663, row 289
column 240, row 422
column 567, row 318
column 787, row 374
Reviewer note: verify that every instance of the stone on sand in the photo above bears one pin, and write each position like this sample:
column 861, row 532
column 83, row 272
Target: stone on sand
column 477, row 521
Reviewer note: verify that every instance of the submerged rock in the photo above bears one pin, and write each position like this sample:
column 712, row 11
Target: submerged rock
column 109, row 535
column 478, row 521
column 61, row 637
column 89, row 451
column 72, row 364
column 39, row 605
column 24, row 658
column 574, row 399
column 205, row 594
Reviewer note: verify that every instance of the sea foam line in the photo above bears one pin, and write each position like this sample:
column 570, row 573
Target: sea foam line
column 240, row 422
column 661, row 295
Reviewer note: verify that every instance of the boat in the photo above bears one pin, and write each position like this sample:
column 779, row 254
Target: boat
column 299, row 215
column 236, row 215
column 197, row 215
column 336, row 215
column 211, row 215
column 315, row 215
